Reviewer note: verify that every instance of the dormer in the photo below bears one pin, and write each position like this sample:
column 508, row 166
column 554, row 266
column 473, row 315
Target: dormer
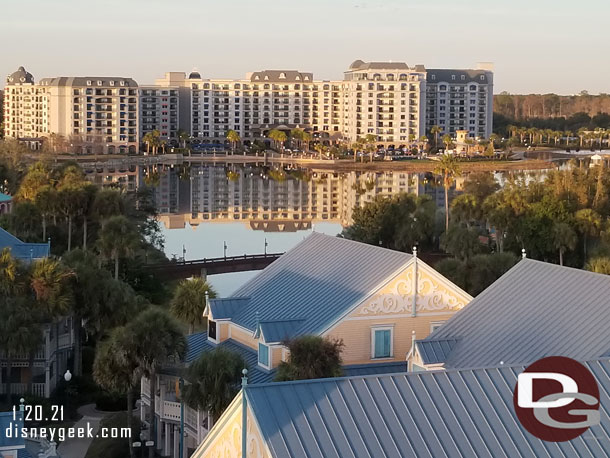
column 272, row 336
column 219, row 313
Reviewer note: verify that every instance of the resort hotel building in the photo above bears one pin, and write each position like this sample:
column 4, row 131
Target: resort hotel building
column 393, row 101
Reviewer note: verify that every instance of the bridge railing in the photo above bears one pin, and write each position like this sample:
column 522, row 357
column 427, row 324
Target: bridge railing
column 223, row 259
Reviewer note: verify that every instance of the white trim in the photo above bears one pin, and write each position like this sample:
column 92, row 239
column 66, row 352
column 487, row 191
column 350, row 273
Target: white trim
column 382, row 327
column 269, row 356
column 217, row 332
column 443, row 279
column 436, row 324
column 398, row 315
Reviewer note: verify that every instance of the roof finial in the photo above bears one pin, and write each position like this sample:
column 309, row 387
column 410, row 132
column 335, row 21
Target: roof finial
column 523, row 254
column 415, row 251
column 244, row 379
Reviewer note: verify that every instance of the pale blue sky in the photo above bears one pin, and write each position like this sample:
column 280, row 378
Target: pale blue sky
column 537, row 45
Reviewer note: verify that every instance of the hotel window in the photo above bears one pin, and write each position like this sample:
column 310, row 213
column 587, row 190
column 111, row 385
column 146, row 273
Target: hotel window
column 212, row 329
column 382, row 342
column 263, row 355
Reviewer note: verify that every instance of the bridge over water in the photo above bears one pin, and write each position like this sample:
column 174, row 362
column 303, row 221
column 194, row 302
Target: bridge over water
column 173, row 270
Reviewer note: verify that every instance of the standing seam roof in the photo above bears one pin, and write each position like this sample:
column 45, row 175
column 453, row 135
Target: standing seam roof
column 534, row 310
column 441, row 413
column 320, row 279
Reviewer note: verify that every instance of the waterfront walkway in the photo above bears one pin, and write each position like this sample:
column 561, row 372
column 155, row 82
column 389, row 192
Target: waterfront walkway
column 77, row 447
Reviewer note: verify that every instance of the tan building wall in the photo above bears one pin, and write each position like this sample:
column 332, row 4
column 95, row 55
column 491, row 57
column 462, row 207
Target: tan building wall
column 392, row 306
column 224, row 440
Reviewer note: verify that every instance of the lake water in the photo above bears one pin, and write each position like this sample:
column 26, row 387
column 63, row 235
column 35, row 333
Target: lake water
column 204, row 208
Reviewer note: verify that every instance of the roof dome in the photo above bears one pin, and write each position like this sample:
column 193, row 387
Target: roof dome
column 194, row 75
column 20, row 76
column 356, row 64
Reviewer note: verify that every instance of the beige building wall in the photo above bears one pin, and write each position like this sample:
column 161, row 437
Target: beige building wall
column 224, row 440
column 391, row 306
column 436, row 301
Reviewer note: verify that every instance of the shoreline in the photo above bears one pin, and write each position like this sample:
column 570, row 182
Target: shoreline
column 338, row 165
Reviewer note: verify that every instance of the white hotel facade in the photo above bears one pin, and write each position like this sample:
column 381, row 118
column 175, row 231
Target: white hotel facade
column 395, row 102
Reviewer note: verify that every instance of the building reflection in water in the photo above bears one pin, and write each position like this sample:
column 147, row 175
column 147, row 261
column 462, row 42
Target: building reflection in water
column 263, row 198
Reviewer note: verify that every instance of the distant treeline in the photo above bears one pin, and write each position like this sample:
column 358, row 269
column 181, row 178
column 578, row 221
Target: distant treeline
column 551, row 111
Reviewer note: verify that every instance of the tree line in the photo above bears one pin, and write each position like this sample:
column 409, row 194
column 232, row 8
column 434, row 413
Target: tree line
column 564, row 218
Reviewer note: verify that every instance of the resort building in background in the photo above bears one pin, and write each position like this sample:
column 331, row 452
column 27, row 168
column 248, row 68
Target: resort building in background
column 75, row 114
column 393, row 101
column 371, row 298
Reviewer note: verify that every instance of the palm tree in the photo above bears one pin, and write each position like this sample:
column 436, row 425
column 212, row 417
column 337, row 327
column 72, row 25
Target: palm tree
column 9, row 270
column 183, row 136
column 493, row 138
column 448, row 141
column 20, row 333
column 188, row 302
column 424, row 142
column 564, row 238
column 152, row 141
column 589, row 223
column 448, row 167
column 46, row 201
column 320, row 148
column 278, row 138
column 89, row 193
column 157, row 340
column 108, row 203
column 368, row 143
column 214, row 381
column 297, row 136
column 582, row 134
column 117, row 239
column 116, row 370
column 233, row 138
column 306, row 139
column 51, row 282
column 435, row 130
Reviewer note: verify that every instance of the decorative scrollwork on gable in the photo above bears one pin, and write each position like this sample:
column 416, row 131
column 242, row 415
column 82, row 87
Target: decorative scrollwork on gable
column 432, row 295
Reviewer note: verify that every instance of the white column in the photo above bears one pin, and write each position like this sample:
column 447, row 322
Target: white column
column 143, row 408
column 176, row 442
column 167, row 443
column 158, row 441
column 198, row 426
column 47, row 382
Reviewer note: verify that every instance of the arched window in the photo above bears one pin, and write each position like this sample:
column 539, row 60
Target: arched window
column 282, row 76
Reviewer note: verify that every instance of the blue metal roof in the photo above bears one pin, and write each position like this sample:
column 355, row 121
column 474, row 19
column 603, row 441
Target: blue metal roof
column 199, row 343
column 223, row 308
column 319, row 279
column 375, row 368
column 21, row 250
column 5, row 197
column 536, row 309
column 280, row 330
column 440, row 413
column 435, row 351
column 6, row 421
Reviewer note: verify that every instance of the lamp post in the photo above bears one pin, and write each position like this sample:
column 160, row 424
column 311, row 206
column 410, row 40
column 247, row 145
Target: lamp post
column 224, row 244
column 67, row 378
column 266, row 244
